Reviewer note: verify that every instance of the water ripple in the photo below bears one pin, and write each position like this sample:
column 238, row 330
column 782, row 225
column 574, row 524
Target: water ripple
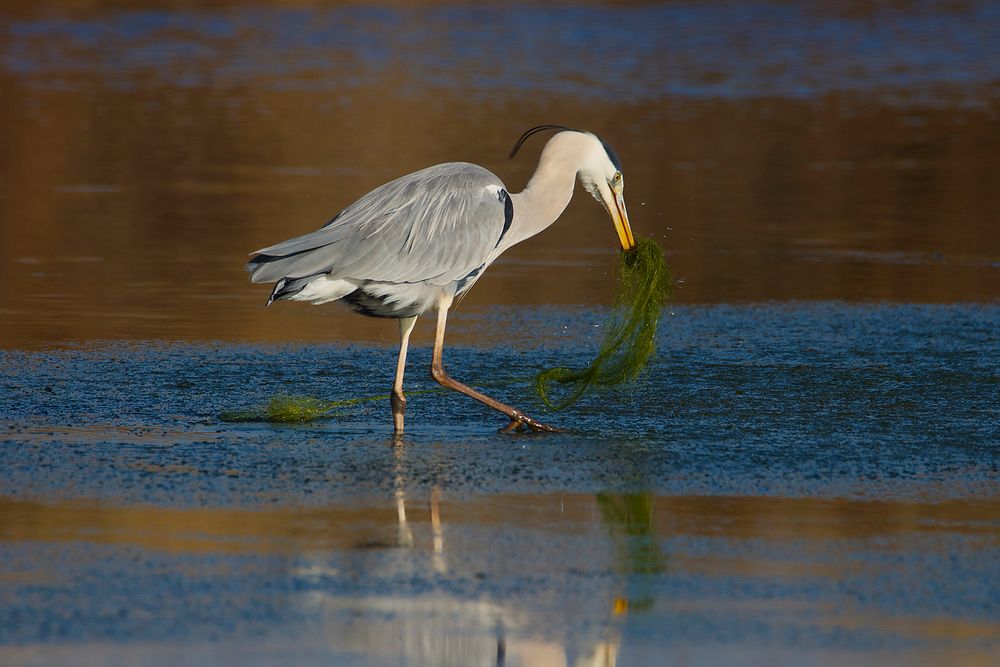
column 798, row 50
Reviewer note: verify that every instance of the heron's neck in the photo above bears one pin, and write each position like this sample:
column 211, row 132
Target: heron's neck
column 543, row 199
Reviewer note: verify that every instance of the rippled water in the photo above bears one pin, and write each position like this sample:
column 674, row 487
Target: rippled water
column 823, row 494
column 621, row 52
column 807, row 473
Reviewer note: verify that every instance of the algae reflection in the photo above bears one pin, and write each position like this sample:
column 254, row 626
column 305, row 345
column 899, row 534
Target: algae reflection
column 630, row 522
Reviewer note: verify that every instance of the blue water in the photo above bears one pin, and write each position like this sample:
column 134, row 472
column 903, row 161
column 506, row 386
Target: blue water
column 796, row 482
column 883, row 401
column 917, row 51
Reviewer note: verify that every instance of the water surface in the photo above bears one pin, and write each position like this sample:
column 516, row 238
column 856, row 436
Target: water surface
column 807, row 473
column 776, row 150
column 826, row 494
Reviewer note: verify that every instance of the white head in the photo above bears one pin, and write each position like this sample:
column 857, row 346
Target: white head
column 598, row 168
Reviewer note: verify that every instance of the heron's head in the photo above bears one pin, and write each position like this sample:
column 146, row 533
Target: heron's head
column 601, row 175
column 598, row 168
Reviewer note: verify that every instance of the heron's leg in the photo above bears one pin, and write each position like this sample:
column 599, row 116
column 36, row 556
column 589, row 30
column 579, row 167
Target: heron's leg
column 517, row 418
column 397, row 398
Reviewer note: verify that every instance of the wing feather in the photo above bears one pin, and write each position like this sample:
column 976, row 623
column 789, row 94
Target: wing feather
column 436, row 225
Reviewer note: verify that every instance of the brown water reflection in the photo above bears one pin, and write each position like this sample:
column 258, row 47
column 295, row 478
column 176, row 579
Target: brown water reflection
column 291, row 530
column 839, row 544
column 127, row 205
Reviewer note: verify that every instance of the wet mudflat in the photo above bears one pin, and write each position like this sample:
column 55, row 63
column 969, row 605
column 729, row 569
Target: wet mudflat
column 828, row 492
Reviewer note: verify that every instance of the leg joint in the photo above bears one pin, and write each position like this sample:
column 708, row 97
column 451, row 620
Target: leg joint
column 437, row 372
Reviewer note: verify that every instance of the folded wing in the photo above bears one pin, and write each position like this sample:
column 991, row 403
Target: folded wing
column 435, row 226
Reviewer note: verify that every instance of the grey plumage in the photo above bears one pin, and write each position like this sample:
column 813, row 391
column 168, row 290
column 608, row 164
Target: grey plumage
column 433, row 227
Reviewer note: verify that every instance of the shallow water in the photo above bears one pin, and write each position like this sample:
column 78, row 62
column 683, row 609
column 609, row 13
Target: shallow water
column 828, row 493
column 807, row 473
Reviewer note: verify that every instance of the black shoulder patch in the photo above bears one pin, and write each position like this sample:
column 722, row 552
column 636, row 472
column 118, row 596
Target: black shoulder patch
column 508, row 214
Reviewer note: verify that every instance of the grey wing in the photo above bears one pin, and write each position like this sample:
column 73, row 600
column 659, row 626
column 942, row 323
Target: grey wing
column 436, row 225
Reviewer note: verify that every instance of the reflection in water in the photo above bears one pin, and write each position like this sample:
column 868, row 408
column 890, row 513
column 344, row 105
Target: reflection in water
column 404, row 536
column 631, row 517
column 530, row 579
column 630, row 521
column 440, row 564
column 438, row 629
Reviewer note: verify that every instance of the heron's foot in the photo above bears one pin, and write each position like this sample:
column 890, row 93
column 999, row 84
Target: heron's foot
column 511, row 427
column 525, row 423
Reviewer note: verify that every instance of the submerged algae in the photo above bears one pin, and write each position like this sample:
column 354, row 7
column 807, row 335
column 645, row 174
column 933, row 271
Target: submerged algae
column 285, row 410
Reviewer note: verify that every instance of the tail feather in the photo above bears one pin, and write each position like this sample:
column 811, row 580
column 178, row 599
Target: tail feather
column 286, row 288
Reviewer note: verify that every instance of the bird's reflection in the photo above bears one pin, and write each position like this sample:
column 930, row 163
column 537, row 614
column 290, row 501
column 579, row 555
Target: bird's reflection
column 436, row 532
column 449, row 589
column 404, row 535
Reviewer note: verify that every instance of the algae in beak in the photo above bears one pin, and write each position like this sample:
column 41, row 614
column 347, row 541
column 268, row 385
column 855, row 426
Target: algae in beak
column 644, row 285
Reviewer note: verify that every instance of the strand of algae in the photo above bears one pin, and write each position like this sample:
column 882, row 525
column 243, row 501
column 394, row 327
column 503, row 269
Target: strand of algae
column 644, row 284
column 295, row 409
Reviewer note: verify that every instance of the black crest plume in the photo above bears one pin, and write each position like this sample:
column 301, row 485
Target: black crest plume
column 536, row 130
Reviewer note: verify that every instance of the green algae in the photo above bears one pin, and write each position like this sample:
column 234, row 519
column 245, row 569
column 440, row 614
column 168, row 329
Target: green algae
column 290, row 409
column 295, row 409
column 284, row 410
column 644, row 285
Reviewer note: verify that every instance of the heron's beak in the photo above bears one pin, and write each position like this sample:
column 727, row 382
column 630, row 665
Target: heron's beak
column 619, row 216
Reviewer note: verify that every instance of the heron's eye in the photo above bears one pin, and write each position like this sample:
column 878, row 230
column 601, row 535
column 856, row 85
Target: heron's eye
column 616, row 181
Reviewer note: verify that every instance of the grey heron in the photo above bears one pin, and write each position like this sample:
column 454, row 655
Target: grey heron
column 424, row 239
